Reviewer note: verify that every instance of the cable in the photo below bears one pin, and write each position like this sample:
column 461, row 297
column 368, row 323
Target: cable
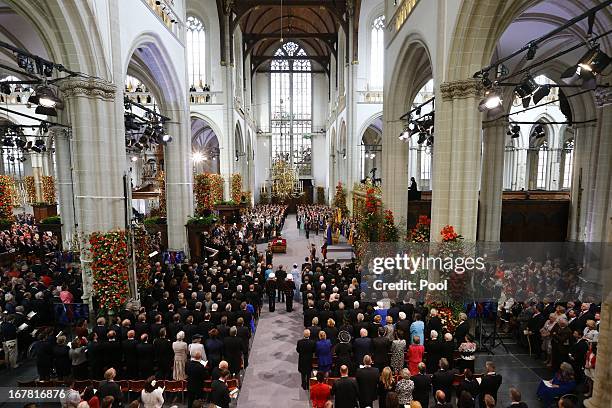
column 32, row 117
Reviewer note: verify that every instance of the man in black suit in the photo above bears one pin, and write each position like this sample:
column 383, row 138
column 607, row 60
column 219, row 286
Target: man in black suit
column 381, row 346
column 443, row 379
column 196, row 374
column 422, row 386
column 490, row 383
column 434, row 323
column 441, row 399
column 577, row 354
column 367, row 381
column 403, row 327
column 111, row 351
column 433, row 347
column 145, row 354
column 233, row 349
column 515, row 396
column 534, row 325
column 362, row 346
column 345, row 390
column 164, row 355
column 309, row 313
column 109, row 387
column 130, row 358
column 305, row 348
column 462, row 329
column 219, row 394
column 448, row 349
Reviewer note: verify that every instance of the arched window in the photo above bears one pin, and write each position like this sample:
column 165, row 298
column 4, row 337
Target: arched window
column 377, row 53
column 291, row 107
column 542, row 160
column 196, row 52
column 568, row 162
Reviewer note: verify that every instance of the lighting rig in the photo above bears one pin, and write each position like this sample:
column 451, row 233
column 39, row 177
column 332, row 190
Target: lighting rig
column 583, row 74
column 422, row 125
column 145, row 131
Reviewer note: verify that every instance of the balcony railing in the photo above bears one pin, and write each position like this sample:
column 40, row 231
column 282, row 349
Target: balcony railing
column 164, row 11
column 195, row 98
column 370, row 97
column 16, row 98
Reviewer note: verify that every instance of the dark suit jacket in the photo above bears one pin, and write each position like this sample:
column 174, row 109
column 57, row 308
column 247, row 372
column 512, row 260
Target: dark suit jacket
column 233, row 348
column 461, row 331
column 196, row 374
column 448, row 350
column 129, row 352
column 305, row 349
column 219, row 394
column 380, row 351
column 435, row 323
column 434, row 353
column 443, row 380
column 489, row 385
column 404, row 326
column 422, row 388
column 346, row 393
column 367, row 380
column 107, row 388
column 361, row 347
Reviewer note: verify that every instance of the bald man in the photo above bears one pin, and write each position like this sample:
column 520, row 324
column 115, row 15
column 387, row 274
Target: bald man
column 196, row 374
column 305, row 348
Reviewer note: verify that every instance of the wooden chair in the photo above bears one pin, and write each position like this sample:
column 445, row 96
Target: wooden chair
column 207, row 386
column 331, row 381
column 136, row 386
column 312, row 381
column 124, row 385
column 457, row 379
column 232, row 384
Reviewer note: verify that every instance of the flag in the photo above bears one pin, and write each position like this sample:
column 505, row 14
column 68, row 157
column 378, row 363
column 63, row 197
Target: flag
column 328, row 234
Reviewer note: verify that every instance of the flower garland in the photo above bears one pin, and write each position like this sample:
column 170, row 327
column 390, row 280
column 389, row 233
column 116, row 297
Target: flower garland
column 142, row 248
column 109, row 253
column 216, row 188
column 236, row 182
column 340, row 200
column 452, row 246
column 421, row 232
column 161, row 181
column 6, row 197
column 30, row 186
column 372, row 202
column 48, row 189
column 246, row 197
column 390, row 233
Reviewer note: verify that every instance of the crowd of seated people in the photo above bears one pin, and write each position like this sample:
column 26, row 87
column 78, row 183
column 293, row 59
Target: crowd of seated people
column 23, row 237
column 264, row 221
column 313, row 217
column 408, row 350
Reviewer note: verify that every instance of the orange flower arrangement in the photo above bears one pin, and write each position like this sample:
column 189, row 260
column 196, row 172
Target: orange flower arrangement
column 109, row 253
column 6, row 197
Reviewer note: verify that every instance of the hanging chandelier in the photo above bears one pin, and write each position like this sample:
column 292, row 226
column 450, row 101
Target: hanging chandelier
column 285, row 181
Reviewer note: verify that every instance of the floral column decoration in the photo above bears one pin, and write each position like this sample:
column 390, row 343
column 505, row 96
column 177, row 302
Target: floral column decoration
column 48, row 189
column 6, row 197
column 161, row 182
column 142, row 249
column 421, row 232
column 208, row 190
column 30, row 186
column 216, row 187
column 452, row 246
column 340, row 200
column 236, row 182
column 109, row 254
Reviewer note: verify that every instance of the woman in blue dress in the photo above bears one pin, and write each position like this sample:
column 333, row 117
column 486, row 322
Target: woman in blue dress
column 324, row 353
column 562, row 383
column 417, row 328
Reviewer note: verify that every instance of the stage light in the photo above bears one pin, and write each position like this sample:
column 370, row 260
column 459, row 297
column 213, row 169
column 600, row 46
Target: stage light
column 372, row 156
column 540, row 93
column 23, row 159
column 46, row 97
column 592, row 63
column 37, row 149
column 166, row 138
column 422, row 137
column 524, row 90
column 405, row 134
column 11, row 158
column 5, row 88
column 531, row 52
column 48, row 111
column 491, row 101
column 197, row 157
column 538, row 132
column 134, row 159
column 39, row 142
column 20, row 143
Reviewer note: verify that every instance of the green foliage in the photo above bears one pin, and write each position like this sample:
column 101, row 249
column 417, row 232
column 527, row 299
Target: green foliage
column 5, row 223
column 206, row 220
column 156, row 220
column 54, row 219
column 226, row 202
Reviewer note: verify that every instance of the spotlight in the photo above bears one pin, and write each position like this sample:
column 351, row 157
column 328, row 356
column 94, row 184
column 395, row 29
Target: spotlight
column 11, row 158
column 430, row 141
column 5, row 88
column 197, row 157
column 20, row 143
column 48, row 70
column 540, row 94
column 417, row 112
column 486, row 82
column 134, row 159
column 47, row 98
column 372, row 156
column 37, row 149
column 166, row 138
column 405, row 134
column 28, row 145
column 8, row 142
column 39, row 142
column 593, row 62
column 23, row 159
column 525, row 89
column 531, row 52
column 491, row 101
column 422, row 137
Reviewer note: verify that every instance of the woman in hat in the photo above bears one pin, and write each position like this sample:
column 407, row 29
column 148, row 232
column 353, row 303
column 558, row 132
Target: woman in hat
column 181, row 351
column 344, row 353
column 196, row 345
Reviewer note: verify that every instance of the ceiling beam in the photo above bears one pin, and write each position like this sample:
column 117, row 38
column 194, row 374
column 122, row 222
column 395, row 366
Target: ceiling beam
column 289, row 36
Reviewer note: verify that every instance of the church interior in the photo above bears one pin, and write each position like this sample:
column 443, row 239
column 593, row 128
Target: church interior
column 194, row 196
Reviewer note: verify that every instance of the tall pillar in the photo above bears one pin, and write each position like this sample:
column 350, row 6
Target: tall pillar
column 395, row 169
column 456, row 158
column 37, row 173
column 492, row 182
column 64, row 179
column 581, row 179
column 600, row 199
column 179, row 188
column 99, row 160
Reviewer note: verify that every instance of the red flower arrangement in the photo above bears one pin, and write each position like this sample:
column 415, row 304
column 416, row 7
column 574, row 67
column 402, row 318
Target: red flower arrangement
column 448, row 234
column 372, row 202
column 452, row 246
column 236, row 182
column 161, row 181
column 390, row 233
column 109, row 253
column 6, row 197
column 421, row 232
column 208, row 190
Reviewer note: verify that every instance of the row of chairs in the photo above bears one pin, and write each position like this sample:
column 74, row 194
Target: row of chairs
column 456, row 357
column 128, row 387
column 456, row 380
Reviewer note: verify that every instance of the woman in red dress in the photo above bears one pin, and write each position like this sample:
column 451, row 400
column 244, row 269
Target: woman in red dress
column 415, row 355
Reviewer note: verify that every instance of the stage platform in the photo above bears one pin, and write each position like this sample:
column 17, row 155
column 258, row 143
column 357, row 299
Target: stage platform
column 340, row 252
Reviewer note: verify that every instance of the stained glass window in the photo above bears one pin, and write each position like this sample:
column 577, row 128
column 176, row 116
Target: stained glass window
column 291, row 107
column 377, row 53
column 196, row 52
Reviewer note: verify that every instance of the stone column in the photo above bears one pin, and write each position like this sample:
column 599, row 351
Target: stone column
column 456, row 158
column 581, row 179
column 492, row 182
column 64, row 179
column 99, row 160
column 179, row 178
column 599, row 209
column 395, row 170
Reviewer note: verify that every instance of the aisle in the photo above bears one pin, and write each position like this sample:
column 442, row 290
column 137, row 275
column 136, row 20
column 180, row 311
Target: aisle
column 272, row 379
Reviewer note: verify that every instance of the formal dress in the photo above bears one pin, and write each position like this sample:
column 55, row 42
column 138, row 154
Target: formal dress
column 181, row 351
column 404, row 389
column 324, row 354
column 398, row 347
column 415, row 356
column 319, row 394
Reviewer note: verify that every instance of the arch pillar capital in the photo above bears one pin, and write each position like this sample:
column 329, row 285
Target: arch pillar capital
column 89, row 88
column 461, row 89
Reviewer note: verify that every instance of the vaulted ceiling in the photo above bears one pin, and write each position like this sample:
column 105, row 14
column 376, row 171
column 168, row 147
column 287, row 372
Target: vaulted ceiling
column 314, row 24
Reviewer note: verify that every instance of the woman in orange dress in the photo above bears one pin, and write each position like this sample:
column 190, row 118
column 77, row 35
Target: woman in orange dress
column 415, row 355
